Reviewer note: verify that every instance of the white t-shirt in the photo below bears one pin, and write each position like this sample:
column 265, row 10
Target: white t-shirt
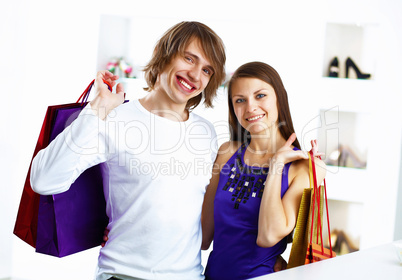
column 155, row 172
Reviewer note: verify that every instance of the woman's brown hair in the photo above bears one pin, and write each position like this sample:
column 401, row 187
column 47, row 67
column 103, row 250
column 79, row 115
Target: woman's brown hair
column 266, row 73
column 174, row 42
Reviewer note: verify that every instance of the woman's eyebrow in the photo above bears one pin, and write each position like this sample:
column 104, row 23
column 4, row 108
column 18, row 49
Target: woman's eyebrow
column 237, row 95
column 259, row 90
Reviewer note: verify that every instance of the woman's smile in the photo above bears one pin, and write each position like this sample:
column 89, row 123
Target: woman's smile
column 255, row 118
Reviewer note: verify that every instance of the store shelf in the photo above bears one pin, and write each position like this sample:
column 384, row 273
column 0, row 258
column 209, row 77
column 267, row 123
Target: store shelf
column 356, row 41
column 351, row 95
column 346, row 184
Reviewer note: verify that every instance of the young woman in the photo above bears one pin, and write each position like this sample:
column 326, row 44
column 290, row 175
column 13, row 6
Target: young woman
column 252, row 202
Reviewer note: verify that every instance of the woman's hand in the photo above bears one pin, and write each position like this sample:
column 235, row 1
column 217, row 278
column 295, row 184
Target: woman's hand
column 286, row 154
column 105, row 101
column 314, row 149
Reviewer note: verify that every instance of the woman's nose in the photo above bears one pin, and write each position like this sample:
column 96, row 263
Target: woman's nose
column 251, row 106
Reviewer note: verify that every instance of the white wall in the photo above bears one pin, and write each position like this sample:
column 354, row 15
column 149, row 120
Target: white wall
column 12, row 59
column 49, row 54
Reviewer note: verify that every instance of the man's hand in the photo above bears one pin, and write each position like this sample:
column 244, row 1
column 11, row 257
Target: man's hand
column 105, row 101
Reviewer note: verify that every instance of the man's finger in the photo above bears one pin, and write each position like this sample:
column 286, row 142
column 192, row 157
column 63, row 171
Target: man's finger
column 120, row 88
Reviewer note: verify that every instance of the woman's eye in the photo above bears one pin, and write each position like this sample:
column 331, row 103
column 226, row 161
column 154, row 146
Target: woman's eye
column 207, row 71
column 240, row 100
column 260, row 95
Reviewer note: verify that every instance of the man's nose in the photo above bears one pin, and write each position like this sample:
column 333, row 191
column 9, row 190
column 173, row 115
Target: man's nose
column 195, row 73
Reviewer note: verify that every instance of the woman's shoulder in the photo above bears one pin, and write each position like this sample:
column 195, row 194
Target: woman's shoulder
column 301, row 168
column 226, row 151
column 230, row 146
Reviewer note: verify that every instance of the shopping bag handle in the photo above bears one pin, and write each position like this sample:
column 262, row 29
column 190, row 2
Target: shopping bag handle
column 317, row 197
column 84, row 96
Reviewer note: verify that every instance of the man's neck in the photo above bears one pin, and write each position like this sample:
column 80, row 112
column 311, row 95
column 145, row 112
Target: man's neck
column 158, row 105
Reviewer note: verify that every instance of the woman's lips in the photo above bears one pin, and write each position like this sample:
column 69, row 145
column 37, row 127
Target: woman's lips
column 255, row 118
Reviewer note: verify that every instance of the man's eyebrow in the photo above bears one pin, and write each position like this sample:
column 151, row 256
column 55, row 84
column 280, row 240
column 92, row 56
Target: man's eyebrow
column 191, row 54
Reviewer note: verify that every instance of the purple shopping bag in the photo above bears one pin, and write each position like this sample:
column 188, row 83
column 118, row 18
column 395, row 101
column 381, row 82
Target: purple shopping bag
column 72, row 221
column 75, row 220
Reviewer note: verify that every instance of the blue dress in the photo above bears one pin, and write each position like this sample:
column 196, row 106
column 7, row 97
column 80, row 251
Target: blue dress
column 235, row 253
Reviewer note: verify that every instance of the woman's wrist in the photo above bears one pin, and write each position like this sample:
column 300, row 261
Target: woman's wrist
column 276, row 166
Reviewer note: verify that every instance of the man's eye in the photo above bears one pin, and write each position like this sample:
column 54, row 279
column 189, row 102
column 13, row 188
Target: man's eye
column 189, row 59
column 207, row 71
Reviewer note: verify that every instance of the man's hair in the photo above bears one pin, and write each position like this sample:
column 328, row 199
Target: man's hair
column 174, row 42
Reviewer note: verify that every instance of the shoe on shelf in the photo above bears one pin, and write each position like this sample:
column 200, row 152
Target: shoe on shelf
column 333, row 70
column 359, row 74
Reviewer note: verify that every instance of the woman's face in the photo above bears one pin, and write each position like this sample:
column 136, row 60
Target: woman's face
column 255, row 105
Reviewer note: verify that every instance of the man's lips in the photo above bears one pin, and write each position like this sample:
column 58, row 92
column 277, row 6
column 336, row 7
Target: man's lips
column 185, row 84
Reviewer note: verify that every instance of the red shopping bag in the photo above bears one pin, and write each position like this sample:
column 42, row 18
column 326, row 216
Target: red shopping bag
column 26, row 223
column 69, row 222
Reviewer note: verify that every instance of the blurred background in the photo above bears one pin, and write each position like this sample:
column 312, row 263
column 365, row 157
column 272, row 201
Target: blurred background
column 51, row 50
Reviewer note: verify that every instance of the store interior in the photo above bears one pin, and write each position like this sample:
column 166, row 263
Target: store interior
column 340, row 62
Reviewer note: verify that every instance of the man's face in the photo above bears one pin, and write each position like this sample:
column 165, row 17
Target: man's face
column 187, row 75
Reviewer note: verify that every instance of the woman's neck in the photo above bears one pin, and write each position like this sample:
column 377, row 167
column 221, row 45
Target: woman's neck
column 268, row 143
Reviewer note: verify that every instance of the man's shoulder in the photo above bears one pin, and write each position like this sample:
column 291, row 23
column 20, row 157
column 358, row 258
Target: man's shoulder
column 197, row 119
column 126, row 109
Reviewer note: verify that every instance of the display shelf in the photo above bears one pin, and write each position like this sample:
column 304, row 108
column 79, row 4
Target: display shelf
column 345, row 222
column 343, row 137
column 357, row 41
column 349, row 95
column 346, row 184
column 345, row 123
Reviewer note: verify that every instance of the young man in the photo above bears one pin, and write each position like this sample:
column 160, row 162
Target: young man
column 156, row 158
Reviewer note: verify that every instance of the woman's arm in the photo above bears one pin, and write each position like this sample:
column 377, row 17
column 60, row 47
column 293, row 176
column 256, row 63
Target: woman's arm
column 277, row 217
column 207, row 216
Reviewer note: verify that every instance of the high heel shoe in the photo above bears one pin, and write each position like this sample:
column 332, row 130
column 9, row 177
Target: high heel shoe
column 334, row 68
column 340, row 157
column 360, row 75
column 342, row 243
